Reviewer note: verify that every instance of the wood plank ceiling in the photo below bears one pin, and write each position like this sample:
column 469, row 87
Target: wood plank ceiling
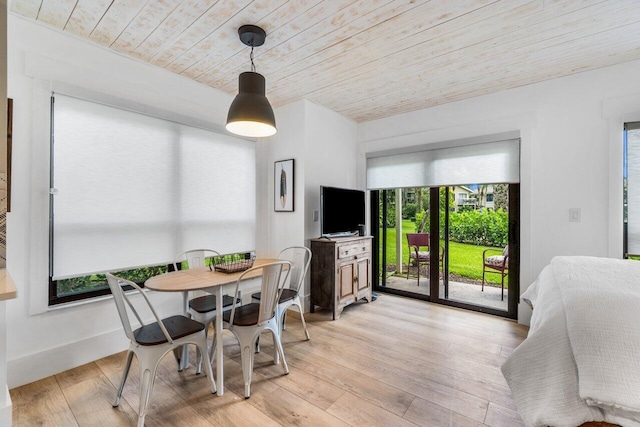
column 366, row 59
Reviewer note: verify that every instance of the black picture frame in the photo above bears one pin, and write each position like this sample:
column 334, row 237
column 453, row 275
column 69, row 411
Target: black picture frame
column 283, row 185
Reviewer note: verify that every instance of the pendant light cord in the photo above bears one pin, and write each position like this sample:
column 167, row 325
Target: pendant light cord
column 253, row 66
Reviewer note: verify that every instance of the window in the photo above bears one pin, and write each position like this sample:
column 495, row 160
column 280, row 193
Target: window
column 489, row 197
column 631, row 190
column 131, row 191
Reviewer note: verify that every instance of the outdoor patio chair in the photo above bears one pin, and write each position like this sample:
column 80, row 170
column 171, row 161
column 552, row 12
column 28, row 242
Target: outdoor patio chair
column 417, row 241
column 152, row 341
column 498, row 264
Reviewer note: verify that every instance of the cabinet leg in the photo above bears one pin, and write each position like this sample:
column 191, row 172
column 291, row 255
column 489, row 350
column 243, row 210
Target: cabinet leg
column 369, row 296
column 312, row 308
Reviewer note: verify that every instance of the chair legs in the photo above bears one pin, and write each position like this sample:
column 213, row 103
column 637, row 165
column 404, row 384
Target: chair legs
column 127, row 367
column 247, row 369
column 304, row 324
column 276, row 352
column 409, row 268
column 503, row 274
column 281, row 313
column 148, row 361
column 279, row 349
column 247, row 337
column 147, row 379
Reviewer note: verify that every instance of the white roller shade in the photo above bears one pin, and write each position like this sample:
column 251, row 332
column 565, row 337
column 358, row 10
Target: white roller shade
column 134, row 190
column 633, row 188
column 492, row 162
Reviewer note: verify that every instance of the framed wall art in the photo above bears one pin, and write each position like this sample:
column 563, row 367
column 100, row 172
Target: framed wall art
column 283, row 186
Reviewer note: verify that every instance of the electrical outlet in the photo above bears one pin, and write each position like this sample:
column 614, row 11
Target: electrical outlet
column 575, row 215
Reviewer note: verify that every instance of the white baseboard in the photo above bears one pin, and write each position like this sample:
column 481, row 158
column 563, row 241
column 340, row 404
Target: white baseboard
column 55, row 360
column 49, row 362
column 6, row 411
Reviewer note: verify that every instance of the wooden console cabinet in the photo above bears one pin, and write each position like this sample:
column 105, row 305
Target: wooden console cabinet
column 340, row 272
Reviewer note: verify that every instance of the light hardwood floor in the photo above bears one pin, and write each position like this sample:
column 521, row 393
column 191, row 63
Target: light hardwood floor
column 393, row 362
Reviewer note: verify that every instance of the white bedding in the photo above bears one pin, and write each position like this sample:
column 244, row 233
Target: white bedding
column 581, row 359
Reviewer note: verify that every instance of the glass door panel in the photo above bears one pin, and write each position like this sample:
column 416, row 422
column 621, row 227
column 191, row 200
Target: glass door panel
column 475, row 232
column 402, row 212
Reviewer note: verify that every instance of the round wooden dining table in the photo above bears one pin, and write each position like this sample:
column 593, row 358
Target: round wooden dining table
column 214, row 282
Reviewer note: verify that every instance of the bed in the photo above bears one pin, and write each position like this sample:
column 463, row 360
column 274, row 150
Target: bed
column 581, row 360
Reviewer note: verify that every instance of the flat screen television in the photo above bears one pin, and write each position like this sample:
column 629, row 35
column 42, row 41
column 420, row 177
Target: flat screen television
column 341, row 211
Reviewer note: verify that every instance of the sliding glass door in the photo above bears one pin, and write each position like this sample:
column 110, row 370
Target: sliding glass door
column 456, row 245
column 445, row 219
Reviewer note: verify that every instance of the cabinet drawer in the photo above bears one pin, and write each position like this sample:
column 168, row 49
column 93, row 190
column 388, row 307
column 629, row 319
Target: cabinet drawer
column 347, row 251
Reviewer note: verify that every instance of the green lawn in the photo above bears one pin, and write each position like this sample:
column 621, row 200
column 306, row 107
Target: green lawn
column 464, row 260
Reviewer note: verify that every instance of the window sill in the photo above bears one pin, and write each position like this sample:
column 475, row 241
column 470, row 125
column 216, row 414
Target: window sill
column 86, row 301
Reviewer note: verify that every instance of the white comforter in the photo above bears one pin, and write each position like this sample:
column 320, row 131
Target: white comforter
column 581, row 360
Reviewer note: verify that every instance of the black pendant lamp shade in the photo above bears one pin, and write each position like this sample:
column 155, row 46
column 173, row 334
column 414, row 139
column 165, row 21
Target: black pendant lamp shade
column 250, row 113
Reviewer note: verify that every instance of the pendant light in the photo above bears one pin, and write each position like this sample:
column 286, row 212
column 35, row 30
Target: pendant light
column 250, row 113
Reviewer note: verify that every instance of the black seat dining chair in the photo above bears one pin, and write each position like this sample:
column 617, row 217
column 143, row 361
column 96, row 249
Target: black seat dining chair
column 203, row 308
column 248, row 321
column 152, row 341
column 300, row 258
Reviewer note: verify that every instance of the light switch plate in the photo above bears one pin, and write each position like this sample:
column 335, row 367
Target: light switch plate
column 315, row 216
column 575, row 215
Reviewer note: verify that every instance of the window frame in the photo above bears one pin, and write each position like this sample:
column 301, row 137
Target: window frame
column 54, row 299
column 631, row 125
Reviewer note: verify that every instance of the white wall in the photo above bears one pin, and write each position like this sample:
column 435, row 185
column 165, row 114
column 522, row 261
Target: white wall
column 284, row 228
column 41, row 342
column 332, row 155
column 571, row 155
column 323, row 144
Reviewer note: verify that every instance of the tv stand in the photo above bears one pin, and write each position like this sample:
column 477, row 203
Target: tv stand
column 340, row 272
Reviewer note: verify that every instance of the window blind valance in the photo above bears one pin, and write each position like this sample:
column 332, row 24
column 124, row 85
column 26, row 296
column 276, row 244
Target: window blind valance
column 490, row 162
column 134, row 190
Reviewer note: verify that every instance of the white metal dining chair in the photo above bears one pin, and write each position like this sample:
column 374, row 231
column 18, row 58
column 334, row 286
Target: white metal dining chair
column 248, row 321
column 152, row 341
column 300, row 258
column 203, row 308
